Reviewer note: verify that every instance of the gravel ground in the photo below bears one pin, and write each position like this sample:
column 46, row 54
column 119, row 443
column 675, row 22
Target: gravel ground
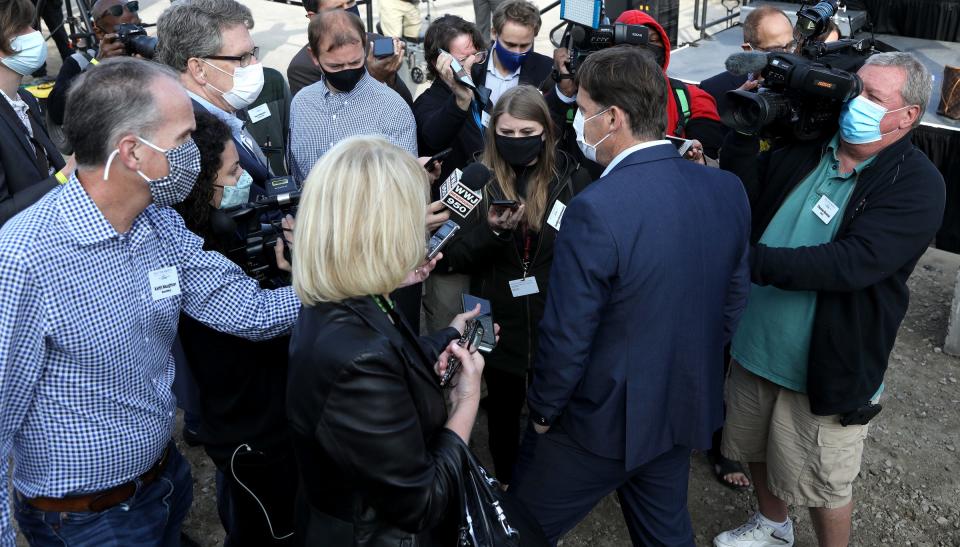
column 908, row 490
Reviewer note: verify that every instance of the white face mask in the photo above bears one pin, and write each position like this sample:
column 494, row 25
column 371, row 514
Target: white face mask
column 31, row 53
column 589, row 150
column 247, row 85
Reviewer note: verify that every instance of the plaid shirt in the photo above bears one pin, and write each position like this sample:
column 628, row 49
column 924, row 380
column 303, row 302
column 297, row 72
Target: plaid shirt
column 85, row 362
column 320, row 118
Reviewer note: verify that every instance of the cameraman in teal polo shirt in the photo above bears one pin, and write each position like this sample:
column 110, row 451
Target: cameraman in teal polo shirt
column 838, row 226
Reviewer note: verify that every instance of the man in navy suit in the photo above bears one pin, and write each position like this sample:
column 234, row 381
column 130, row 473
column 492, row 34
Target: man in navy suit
column 649, row 279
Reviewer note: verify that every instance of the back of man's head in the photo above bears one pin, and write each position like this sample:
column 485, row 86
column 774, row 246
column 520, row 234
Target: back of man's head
column 193, row 28
column 628, row 78
column 333, row 29
column 113, row 99
column 312, row 6
column 521, row 12
column 758, row 18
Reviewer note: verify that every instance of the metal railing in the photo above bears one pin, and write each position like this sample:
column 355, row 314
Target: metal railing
column 700, row 8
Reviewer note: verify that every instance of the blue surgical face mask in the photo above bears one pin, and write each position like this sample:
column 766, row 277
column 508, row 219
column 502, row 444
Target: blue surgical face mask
column 31, row 53
column 860, row 121
column 510, row 60
column 239, row 194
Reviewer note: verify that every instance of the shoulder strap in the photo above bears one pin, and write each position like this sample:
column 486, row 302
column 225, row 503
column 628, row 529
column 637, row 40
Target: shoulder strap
column 682, row 95
column 83, row 60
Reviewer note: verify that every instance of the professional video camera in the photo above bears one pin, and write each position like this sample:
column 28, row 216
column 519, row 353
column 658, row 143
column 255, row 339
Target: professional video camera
column 801, row 94
column 252, row 230
column 135, row 40
column 585, row 34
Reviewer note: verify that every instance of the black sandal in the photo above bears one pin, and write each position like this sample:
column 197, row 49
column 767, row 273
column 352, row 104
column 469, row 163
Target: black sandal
column 723, row 467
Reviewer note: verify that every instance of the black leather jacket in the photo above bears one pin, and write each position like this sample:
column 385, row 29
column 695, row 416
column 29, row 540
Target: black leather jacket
column 367, row 417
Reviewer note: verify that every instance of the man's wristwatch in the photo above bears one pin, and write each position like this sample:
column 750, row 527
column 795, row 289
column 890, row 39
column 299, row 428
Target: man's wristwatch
column 539, row 419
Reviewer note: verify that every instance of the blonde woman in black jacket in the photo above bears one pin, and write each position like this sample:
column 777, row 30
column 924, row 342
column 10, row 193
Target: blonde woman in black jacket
column 378, row 452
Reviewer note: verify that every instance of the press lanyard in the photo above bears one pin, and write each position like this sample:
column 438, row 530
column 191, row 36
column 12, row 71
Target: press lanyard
column 475, row 109
column 526, row 251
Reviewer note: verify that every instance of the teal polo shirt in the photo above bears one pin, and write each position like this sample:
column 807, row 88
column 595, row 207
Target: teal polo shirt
column 773, row 339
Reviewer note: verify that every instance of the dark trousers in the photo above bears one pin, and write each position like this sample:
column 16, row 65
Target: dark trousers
column 505, row 396
column 562, row 482
column 52, row 14
column 151, row 518
column 256, row 496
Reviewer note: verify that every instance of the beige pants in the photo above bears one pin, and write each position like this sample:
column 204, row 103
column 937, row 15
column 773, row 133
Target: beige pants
column 811, row 460
column 400, row 19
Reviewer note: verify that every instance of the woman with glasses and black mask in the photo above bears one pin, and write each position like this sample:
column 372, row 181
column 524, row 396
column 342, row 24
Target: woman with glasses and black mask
column 508, row 251
column 241, row 385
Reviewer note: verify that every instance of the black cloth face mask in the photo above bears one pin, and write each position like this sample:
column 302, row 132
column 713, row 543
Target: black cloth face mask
column 345, row 80
column 519, row 151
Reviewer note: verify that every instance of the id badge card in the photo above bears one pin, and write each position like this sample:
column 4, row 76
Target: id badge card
column 825, row 209
column 524, row 287
column 164, row 283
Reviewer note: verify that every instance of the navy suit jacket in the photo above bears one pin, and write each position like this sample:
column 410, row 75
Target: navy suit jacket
column 649, row 279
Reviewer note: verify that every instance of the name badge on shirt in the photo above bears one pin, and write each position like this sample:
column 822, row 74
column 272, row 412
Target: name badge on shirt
column 825, row 209
column 556, row 215
column 485, row 119
column 164, row 283
column 261, row 112
column 523, row 287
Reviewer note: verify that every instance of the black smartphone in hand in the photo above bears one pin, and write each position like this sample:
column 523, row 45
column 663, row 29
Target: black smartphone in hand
column 383, row 48
column 439, row 156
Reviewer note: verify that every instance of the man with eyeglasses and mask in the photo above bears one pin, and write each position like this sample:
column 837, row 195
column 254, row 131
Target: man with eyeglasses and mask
column 107, row 16
column 94, row 277
column 208, row 42
column 302, row 71
column 767, row 30
column 347, row 101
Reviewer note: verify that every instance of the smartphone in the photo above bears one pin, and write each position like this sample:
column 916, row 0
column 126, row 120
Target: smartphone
column 439, row 156
column 460, row 73
column 683, row 145
column 440, row 238
column 383, row 47
column 508, row 203
column 471, row 336
column 489, row 339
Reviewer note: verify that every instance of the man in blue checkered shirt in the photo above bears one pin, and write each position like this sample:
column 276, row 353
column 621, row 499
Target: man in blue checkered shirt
column 347, row 101
column 94, row 277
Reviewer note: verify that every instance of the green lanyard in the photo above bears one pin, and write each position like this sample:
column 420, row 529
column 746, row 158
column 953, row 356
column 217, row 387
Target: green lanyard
column 385, row 305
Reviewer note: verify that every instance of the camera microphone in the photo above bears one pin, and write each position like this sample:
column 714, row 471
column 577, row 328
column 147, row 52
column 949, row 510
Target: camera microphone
column 462, row 194
column 746, row 62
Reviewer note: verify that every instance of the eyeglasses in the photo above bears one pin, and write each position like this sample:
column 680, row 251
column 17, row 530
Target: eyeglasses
column 786, row 48
column 244, row 59
column 133, row 6
column 478, row 57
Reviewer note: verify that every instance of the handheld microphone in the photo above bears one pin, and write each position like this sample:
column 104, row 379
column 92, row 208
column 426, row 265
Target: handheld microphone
column 461, row 194
column 746, row 62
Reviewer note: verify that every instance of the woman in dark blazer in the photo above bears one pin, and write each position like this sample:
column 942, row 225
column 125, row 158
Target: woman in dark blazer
column 30, row 164
column 378, row 452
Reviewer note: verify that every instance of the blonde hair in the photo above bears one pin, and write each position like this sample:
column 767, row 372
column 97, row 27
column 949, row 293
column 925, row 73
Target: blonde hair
column 361, row 225
column 523, row 102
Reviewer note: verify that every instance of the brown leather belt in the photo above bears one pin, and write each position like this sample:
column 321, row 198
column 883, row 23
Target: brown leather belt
column 101, row 501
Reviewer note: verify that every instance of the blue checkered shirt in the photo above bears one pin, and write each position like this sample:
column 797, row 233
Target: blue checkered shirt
column 320, row 118
column 85, row 362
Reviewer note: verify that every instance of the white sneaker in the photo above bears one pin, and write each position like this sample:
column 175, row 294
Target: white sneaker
column 755, row 534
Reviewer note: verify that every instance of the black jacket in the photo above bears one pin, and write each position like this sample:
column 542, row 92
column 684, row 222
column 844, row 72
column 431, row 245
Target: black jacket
column 22, row 181
column 367, row 416
column 861, row 276
column 441, row 124
column 493, row 261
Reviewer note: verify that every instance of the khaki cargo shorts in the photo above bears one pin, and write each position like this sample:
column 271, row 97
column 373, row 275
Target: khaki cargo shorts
column 811, row 460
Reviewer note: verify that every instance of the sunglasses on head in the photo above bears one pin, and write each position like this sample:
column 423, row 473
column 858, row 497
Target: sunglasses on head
column 117, row 10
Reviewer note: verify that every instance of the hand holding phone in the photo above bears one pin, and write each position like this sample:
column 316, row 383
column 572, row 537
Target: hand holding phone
column 507, row 203
column 471, row 337
column 440, row 238
column 438, row 157
column 383, row 48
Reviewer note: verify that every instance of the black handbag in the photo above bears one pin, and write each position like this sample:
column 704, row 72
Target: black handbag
column 489, row 517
